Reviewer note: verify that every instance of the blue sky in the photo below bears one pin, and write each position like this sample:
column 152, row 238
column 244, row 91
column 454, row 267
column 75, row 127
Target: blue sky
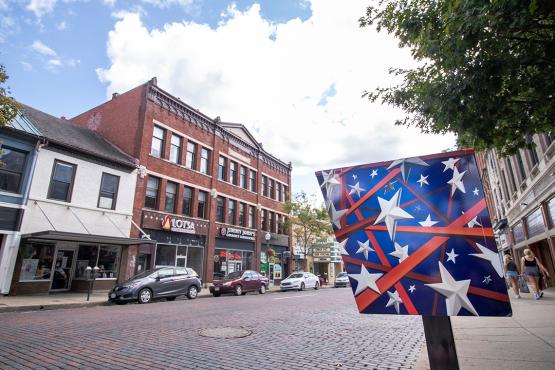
column 292, row 71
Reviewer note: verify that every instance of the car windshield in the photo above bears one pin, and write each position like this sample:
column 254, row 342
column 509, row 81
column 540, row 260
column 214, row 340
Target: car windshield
column 295, row 276
column 342, row 274
column 234, row 275
column 143, row 274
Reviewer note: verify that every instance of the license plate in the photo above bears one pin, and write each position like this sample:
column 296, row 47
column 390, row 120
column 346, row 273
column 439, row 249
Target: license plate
column 113, row 295
column 217, row 289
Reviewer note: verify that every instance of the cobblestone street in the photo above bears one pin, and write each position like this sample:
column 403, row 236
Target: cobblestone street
column 292, row 330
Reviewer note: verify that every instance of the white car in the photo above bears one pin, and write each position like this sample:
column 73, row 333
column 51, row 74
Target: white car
column 300, row 281
column 342, row 279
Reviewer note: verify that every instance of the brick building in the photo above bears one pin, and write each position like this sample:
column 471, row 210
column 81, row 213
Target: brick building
column 207, row 191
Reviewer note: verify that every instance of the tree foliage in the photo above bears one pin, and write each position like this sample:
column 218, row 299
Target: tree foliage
column 308, row 222
column 8, row 106
column 486, row 67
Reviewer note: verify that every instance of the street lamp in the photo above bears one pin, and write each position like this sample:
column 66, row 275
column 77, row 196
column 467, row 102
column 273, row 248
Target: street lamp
column 267, row 237
column 91, row 274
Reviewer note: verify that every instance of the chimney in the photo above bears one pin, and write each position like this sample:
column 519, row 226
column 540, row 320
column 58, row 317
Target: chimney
column 114, row 95
column 154, row 81
column 63, row 117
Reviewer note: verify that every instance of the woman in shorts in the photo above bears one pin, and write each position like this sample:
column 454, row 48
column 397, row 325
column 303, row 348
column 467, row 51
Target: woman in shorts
column 530, row 265
column 511, row 273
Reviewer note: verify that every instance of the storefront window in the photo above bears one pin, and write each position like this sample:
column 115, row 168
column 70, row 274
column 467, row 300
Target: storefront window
column 37, row 261
column 165, row 255
column 180, row 256
column 106, row 257
column 551, row 207
column 194, row 259
column 227, row 261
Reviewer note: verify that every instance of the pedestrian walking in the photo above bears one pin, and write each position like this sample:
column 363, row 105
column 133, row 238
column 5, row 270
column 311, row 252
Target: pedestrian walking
column 511, row 273
column 531, row 267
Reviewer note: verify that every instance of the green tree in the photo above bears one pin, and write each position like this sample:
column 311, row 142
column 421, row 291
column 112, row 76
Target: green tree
column 486, row 68
column 8, row 106
column 308, row 222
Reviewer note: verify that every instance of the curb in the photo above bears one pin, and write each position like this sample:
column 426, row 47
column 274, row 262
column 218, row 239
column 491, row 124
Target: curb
column 91, row 304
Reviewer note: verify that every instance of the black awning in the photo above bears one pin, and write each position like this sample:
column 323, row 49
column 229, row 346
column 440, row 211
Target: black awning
column 500, row 225
column 85, row 238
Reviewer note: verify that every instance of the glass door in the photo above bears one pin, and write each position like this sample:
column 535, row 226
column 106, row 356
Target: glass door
column 63, row 269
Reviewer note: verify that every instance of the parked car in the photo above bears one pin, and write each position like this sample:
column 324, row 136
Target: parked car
column 239, row 283
column 342, row 279
column 300, row 281
column 163, row 282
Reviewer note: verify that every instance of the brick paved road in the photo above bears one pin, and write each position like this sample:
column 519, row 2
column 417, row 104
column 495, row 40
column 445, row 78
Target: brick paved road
column 292, row 330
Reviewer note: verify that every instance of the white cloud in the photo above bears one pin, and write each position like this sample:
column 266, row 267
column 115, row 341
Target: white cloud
column 55, row 62
column 41, row 48
column 41, row 7
column 168, row 3
column 61, row 26
column 296, row 85
column 110, row 3
column 26, row 66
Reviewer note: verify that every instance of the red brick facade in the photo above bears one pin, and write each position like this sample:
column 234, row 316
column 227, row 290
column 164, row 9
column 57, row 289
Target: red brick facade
column 128, row 121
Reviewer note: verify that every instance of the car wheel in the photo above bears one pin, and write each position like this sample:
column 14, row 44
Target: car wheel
column 171, row 298
column 216, row 294
column 192, row 293
column 145, row 295
column 262, row 289
column 238, row 290
column 316, row 286
column 302, row 287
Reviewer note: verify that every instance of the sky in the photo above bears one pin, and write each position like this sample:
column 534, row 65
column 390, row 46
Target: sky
column 292, row 71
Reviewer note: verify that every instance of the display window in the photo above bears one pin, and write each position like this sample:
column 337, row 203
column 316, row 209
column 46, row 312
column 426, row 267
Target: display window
column 180, row 256
column 227, row 261
column 36, row 264
column 106, row 257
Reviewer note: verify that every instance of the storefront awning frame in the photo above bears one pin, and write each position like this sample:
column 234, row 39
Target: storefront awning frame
column 85, row 238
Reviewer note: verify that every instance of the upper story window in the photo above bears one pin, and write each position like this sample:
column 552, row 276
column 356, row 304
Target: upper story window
column 279, row 192
column 220, row 209
column 191, row 160
column 263, row 185
column 231, row 212
column 205, row 161
column 251, row 217
column 201, row 211
column 222, row 168
column 252, row 180
column 233, row 172
column 175, row 149
column 285, row 193
column 61, row 184
column 271, row 190
column 187, row 201
column 243, row 177
column 242, row 219
column 157, row 148
column 151, row 196
column 520, row 164
column 263, row 220
column 171, row 192
column 272, row 222
column 12, row 166
column 108, row 191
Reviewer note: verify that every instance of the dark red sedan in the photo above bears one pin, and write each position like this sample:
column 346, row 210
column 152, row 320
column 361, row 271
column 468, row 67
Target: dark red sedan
column 239, row 283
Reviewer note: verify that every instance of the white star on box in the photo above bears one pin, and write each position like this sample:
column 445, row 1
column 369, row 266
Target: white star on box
column 394, row 300
column 354, row 176
column 455, row 292
column 428, row 222
column 450, row 164
column 390, row 212
column 456, row 182
column 412, row 288
column 374, row 173
column 342, row 245
column 407, row 162
column 475, row 191
column 474, row 222
column 400, row 252
column 355, row 189
column 451, row 256
column 330, row 181
column 423, row 180
column 336, row 215
column 366, row 280
column 490, row 256
column 364, row 248
column 487, row 279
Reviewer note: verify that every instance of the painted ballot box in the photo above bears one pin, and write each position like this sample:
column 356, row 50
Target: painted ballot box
column 416, row 236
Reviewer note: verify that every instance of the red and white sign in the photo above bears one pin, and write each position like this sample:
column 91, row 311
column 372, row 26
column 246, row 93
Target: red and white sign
column 178, row 225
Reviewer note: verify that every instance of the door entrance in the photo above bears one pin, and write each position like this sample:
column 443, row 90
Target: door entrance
column 63, row 269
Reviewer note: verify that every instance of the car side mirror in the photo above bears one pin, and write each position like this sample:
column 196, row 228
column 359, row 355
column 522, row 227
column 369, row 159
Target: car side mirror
column 157, row 278
column 247, row 279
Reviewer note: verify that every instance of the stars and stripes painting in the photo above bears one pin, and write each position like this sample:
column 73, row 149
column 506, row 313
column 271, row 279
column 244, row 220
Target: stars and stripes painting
column 416, row 236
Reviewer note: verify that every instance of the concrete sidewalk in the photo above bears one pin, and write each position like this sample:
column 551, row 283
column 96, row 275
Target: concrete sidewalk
column 72, row 300
column 524, row 341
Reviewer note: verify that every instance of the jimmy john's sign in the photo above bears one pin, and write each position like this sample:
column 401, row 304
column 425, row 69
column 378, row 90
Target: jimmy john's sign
column 236, row 233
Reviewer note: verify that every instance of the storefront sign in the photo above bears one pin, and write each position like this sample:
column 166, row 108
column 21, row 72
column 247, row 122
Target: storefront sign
column 178, row 225
column 277, row 271
column 236, row 233
column 414, row 231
